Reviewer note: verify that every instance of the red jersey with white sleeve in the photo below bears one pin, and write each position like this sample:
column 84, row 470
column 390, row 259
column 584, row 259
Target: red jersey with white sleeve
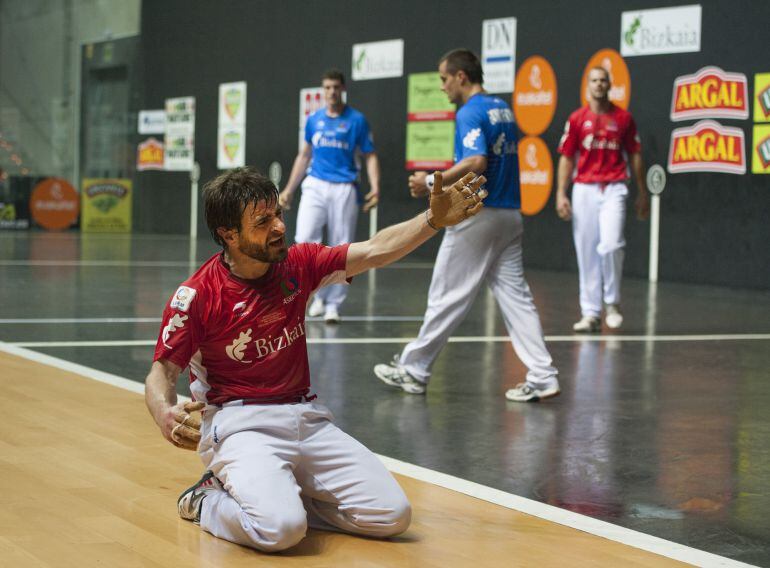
column 245, row 339
column 600, row 140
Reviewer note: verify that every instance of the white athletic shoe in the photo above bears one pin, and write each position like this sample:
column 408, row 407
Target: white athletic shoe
column 316, row 307
column 396, row 376
column 331, row 315
column 587, row 324
column 525, row 392
column 190, row 501
column 612, row 316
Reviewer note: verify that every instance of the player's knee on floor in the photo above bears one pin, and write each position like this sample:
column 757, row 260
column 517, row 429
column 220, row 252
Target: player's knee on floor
column 391, row 521
column 279, row 531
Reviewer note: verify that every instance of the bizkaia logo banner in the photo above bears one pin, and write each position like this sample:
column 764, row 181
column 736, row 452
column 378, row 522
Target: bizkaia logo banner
column 662, row 30
column 707, row 146
column 710, row 93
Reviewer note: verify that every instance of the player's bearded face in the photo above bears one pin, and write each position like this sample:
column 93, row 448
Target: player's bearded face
column 262, row 234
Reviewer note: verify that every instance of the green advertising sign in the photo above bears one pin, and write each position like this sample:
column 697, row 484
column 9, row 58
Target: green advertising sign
column 429, row 145
column 425, row 96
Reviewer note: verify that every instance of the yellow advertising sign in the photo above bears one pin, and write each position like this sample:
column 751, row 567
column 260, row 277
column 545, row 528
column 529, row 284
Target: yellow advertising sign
column 762, row 97
column 760, row 154
column 106, row 206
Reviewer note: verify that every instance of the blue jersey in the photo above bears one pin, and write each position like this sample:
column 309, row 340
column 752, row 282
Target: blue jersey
column 485, row 126
column 334, row 141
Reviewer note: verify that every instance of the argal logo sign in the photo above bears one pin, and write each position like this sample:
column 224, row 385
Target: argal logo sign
column 710, row 93
column 707, row 147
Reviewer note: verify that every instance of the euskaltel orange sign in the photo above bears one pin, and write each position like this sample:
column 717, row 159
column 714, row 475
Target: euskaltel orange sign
column 710, row 93
column 707, row 146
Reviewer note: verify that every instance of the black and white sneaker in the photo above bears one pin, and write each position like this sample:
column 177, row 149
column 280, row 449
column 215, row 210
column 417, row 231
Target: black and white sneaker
column 191, row 500
column 395, row 375
column 525, row 392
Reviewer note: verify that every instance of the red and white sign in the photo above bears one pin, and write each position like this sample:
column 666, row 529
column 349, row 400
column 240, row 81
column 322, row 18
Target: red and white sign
column 707, row 146
column 149, row 155
column 710, row 93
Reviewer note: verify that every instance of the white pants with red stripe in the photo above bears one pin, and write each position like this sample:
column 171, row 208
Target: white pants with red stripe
column 598, row 218
column 330, row 205
column 285, row 467
column 483, row 249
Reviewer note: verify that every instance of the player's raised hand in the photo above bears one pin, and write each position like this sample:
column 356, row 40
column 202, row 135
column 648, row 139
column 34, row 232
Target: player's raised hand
column 184, row 428
column 464, row 199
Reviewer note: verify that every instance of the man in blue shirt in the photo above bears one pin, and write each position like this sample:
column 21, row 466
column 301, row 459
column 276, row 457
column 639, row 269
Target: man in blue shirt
column 334, row 136
column 486, row 248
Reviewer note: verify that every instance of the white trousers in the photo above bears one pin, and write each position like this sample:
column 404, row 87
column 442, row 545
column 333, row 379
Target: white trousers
column 330, row 205
column 598, row 217
column 287, row 467
column 484, row 248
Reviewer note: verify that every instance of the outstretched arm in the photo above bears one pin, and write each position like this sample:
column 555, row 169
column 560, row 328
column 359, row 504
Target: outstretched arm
column 176, row 423
column 447, row 208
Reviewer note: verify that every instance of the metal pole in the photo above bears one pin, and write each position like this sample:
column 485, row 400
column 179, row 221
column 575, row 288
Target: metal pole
column 195, row 174
column 654, row 234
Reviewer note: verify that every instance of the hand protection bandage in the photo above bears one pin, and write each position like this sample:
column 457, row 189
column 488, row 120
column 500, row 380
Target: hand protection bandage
column 186, row 433
column 462, row 200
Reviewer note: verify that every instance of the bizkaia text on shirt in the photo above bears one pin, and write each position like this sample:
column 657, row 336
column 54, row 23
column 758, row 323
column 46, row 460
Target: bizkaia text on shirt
column 264, row 345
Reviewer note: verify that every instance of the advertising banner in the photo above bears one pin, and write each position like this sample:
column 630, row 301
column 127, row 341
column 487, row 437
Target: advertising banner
column 429, row 145
column 536, row 174
column 150, row 155
column 710, row 93
column 762, row 97
column 498, row 54
column 760, row 159
column 151, row 122
column 180, row 134
column 106, row 205
column 534, row 99
column 707, row 146
column 231, row 135
column 430, row 124
column 54, row 204
column 378, row 60
column 663, row 30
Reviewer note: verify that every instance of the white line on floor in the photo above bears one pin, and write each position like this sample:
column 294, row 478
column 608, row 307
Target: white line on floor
column 541, row 510
column 405, row 340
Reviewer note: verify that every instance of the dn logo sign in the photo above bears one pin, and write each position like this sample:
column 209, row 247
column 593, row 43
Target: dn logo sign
column 499, row 34
column 498, row 54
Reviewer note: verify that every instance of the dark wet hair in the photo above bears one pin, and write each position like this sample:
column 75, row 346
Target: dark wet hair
column 334, row 75
column 226, row 197
column 464, row 60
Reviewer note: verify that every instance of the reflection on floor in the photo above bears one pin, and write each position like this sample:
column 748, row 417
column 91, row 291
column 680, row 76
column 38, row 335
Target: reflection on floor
column 654, row 431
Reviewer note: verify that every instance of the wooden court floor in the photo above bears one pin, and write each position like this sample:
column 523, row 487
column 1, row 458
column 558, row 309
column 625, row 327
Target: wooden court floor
column 88, row 481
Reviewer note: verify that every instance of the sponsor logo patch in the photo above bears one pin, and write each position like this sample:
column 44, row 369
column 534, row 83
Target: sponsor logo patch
column 183, row 298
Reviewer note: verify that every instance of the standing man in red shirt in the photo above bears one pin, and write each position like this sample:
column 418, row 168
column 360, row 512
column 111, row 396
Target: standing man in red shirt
column 605, row 139
column 275, row 461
